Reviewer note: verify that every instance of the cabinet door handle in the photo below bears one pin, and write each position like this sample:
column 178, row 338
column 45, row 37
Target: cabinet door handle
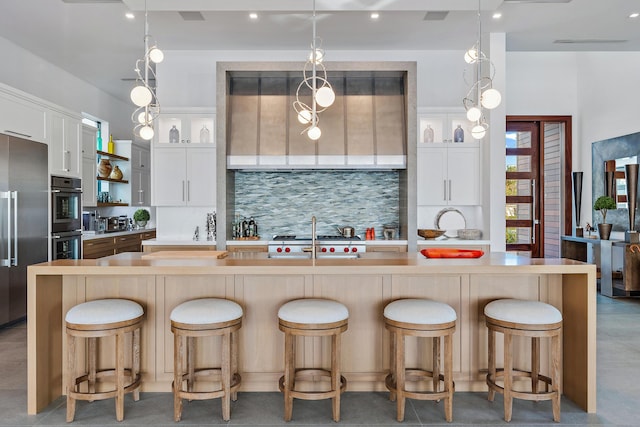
column 17, row 133
column 188, row 190
column 450, row 191
column 444, row 189
column 183, row 191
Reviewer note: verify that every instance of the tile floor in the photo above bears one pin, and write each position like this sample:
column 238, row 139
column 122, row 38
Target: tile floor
column 618, row 369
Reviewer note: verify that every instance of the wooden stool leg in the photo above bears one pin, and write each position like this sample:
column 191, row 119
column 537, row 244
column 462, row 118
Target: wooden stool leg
column 491, row 344
column 71, row 380
column 120, row 376
column 508, row 380
column 448, row 377
column 135, row 363
column 555, row 376
column 392, row 364
column 191, row 355
column 91, row 380
column 226, row 376
column 436, row 363
column 234, row 361
column 535, row 363
column 400, row 376
column 289, row 372
column 178, row 350
column 335, row 375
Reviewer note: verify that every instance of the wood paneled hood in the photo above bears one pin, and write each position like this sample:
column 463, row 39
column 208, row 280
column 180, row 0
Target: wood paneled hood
column 365, row 128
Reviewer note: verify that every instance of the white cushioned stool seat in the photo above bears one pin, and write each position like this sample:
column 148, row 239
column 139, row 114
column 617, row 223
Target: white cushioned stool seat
column 524, row 312
column 419, row 311
column 103, row 311
column 206, row 310
column 313, row 310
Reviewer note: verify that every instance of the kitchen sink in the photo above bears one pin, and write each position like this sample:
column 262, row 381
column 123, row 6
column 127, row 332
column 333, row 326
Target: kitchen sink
column 289, row 255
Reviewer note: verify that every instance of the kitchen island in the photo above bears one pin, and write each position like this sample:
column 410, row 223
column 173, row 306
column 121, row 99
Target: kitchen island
column 261, row 285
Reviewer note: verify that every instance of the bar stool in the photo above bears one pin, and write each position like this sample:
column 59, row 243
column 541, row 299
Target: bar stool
column 420, row 318
column 532, row 319
column 100, row 319
column 205, row 317
column 314, row 318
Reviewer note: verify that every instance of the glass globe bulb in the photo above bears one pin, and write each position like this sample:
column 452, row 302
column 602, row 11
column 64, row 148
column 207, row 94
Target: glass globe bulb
column 490, row 98
column 471, row 55
column 478, row 131
column 319, row 55
column 143, row 117
column 156, row 55
column 141, row 96
column 474, row 114
column 146, row 132
column 314, row 133
column 304, row 116
column 325, row 96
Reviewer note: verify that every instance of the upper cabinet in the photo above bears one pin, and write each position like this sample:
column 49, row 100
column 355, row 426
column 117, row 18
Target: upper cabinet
column 21, row 117
column 191, row 128
column 89, row 186
column 365, row 126
column 64, row 145
column 444, row 128
column 140, row 175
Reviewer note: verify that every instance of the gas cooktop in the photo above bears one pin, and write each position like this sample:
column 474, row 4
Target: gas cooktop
column 290, row 237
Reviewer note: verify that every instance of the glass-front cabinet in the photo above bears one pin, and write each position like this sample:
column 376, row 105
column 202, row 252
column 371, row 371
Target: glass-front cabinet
column 185, row 129
column 444, row 127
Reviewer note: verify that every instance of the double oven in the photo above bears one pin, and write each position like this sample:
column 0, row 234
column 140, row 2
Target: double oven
column 66, row 218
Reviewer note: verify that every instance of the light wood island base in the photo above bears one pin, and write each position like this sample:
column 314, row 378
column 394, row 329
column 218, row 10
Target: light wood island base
column 364, row 285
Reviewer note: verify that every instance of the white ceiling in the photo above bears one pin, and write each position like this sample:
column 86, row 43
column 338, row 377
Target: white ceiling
column 94, row 41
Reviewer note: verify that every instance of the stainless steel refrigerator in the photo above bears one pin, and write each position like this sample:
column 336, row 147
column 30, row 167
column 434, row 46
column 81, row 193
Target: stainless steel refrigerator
column 23, row 220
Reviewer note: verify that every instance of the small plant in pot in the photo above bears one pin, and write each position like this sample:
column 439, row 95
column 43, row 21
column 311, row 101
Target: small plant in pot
column 603, row 204
column 141, row 216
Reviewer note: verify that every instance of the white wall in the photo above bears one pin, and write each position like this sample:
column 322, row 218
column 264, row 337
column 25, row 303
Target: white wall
column 30, row 73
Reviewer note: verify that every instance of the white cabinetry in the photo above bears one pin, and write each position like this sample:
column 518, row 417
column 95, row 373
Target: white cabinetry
column 184, row 176
column 192, row 128
column 22, row 117
column 64, row 145
column 441, row 127
column 89, row 185
column 140, row 175
column 448, row 174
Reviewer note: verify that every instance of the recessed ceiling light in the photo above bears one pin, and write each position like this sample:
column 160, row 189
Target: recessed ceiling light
column 375, row 15
column 129, row 15
column 253, row 15
column 634, row 15
column 497, row 15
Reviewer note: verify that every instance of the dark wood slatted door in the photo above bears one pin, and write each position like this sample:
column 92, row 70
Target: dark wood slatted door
column 524, row 204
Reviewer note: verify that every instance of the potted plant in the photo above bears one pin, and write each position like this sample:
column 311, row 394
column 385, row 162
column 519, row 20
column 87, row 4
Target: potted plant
column 603, row 204
column 141, row 216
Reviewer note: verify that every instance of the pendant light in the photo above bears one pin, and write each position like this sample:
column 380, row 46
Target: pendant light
column 314, row 79
column 481, row 96
column 143, row 95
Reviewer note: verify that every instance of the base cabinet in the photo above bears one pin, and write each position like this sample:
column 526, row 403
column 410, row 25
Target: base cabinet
column 111, row 245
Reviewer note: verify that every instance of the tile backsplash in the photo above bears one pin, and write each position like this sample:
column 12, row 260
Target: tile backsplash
column 282, row 202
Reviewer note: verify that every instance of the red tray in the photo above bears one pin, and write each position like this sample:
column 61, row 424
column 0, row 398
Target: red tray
column 452, row 253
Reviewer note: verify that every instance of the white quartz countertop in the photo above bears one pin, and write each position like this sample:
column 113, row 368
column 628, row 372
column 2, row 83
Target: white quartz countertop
column 90, row 235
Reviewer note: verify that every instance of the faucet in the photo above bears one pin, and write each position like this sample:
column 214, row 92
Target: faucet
column 196, row 234
column 313, row 237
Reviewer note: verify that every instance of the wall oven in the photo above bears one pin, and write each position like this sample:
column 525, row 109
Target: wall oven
column 66, row 218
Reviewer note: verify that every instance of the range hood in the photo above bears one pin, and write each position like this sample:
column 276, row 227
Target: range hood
column 365, row 128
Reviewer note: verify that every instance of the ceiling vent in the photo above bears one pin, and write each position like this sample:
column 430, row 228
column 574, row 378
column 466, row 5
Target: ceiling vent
column 192, row 16
column 589, row 41
column 436, row 16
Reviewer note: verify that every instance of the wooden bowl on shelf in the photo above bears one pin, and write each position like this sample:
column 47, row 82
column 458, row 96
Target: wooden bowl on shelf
column 429, row 233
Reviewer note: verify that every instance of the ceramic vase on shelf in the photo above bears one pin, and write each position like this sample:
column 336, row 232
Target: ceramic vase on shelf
column 205, row 136
column 428, row 134
column 631, row 178
column 458, row 134
column 577, row 200
column 174, row 135
column 104, row 168
column 116, row 173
